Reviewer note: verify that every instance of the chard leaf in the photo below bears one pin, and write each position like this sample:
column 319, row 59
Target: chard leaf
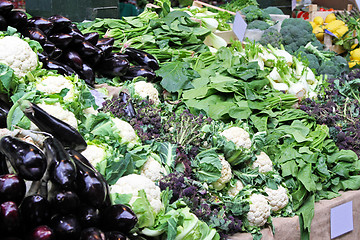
column 353, row 183
column 304, row 176
column 289, row 168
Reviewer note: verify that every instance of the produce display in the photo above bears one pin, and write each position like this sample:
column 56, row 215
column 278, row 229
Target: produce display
column 150, row 127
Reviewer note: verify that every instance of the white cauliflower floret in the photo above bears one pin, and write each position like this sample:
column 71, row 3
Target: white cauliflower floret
column 18, row 55
column 278, row 199
column 152, row 169
column 233, row 191
column 133, row 183
column 90, row 110
column 57, row 111
column 238, row 136
column 263, row 162
column 125, row 130
column 94, row 154
column 55, row 84
column 226, row 174
column 259, row 210
column 145, row 89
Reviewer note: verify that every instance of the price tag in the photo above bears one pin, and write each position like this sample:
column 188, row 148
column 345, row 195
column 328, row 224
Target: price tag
column 330, row 33
column 239, row 26
column 341, row 219
column 293, row 4
column 357, row 3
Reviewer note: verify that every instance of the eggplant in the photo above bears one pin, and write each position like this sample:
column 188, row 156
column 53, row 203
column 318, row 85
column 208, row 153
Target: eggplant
column 73, row 59
column 12, row 188
column 56, row 54
column 5, row 7
column 106, row 48
column 88, row 216
column 65, row 202
column 3, row 23
column 77, row 36
column 17, row 19
column 118, row 217
column 35, row 33
column 10, row 217
column 142, row 58
column 61, row 40
column 4, row 110
column 115, row 235
column 49, row 47
column 105, row 41
column 65, row 227
column 35, row 210
column 62, row 131
column 139, row 71
column 62, row 169
column 87, row 74
column 59, row 67
column 42, row 232
column 92, row 233
column 41, row 23
column 129, row 108
column 92, row 37
column 3, row 167
column 120, row 55
column 27, row 159
column 113, row 66
column 90, row 53
column 91, row 185
column 60, row 22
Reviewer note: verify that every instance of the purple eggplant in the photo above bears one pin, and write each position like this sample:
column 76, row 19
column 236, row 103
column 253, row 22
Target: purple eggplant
column 73, row 59
column 65, row 227
column 3, row 166
column 4, row 110
column 27, row 159
column 60, row 22
column 62, row 169
column 10, row 220
column 12, row 188
column 17, row 19
column 139, row 71
column 115, row 235
column 118, row 217
column 61, row 40
column 90, row 53
column 77, row 36
column 35, row 33
column 41, row 23
column 62, row 131
column 87, row 74
column 43, row 56
column 129, row 107
column 105, row 41
column 5, row 7
column 65, row 202
column 35, row 210
column 142, row 58
column 3, row 23
column 88, row 216
column 113, row 66
column 56, row 54
column 59, row 67
column 92, row 233
column 106, row 48
column 92, row 37
column 49, row 47
column 42, row 232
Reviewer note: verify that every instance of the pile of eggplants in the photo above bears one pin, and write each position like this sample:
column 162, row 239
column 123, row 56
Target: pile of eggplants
column 68, row 198
column 68, row 51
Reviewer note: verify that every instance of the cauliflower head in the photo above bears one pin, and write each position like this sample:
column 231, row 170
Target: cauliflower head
column 145, row 89
column 226, row 174
column 125, row 130
column 59, row 112
column 237, row 135
column 278, row 199
column 152, row 169
column 18, row 55
column 263, row 162
column 95, row 154
column 233, row 191
column 133, row 183
column 259, row 210
column 55, row 84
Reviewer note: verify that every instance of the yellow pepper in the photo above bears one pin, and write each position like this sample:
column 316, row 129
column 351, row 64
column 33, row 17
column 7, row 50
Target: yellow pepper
column 332, row 26
column 330, row 17
column 355, row 54
column 353, row 63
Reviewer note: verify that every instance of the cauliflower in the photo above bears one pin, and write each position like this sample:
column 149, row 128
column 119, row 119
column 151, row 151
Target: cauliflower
column 144, row 90
column 57, row 111
column 233, row 191
column 94, row 154
column 278, row 198
column 18, row 55
column 226, row 174
column 54, row 84
column 259, row 210
column 90, row 110
column 152, row 169
column 263, row 162
column 237, row 135
column 133, row 183
column 125, row 130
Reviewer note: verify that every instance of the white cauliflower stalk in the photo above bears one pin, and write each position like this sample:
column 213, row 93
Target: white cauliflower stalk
column 125, row 130
column 145, row 89
column 263, row 162
column 152, row 169
column 233, row 191
column 133, row 183
column 278, row 199
column 55, row 84
column 259, row 210
column 18, row 55
column 226, row 174
column 237, row 135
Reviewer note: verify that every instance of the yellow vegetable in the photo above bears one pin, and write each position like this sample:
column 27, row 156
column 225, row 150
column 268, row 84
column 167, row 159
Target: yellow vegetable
column 319, row 33
column 318, row 20
column 313, row 25
column 354, row 45
column 332, row 26
column 355, row 54
column 341, row 31
column 353, row 63
column 330, row 17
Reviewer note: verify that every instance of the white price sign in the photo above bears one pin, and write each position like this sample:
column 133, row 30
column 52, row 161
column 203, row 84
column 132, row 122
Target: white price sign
column 341, row 219
column 293, row 4
column 239, row 26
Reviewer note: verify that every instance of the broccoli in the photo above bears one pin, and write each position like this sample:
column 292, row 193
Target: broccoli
column 296, row 32
column 310, row 59
column 273, row 10
column 258, row 24
column 253, row 13
column 271, row 36
column 334, row 67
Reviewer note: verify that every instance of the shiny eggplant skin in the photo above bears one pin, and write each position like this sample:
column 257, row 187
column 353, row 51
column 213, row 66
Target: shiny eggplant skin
column 116, row 217
column 59, row 67
column 113, row 66
column 92, row 233
column 42, row 232
column 35, row 210
column 129, row 108
column 61, row 40
column 139, row 71
column 43, row 56
column 10, row 220
column 56, row 54
column 90, row 53
column 41, row 23
column 35, row 33
column 92, row 37
column 49, row 47
column 142, row 58
column 60, row 22
column 62, row 131
column 28, row 160
column 5, row 7
column 65, row 202
column 88, row 216
column 17, row 19
column 4, row 110
column 3, row 166
column 87, row 74
column 106, row 48
column 78, row 37
column 91, row 185
column 65, row 227
column 115, row 235
column 62, row 169
column 105, row 41
column 3, row 23
column 73, row 59
column 12, row 188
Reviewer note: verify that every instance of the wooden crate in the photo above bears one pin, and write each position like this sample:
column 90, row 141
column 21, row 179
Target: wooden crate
column 313, row 11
